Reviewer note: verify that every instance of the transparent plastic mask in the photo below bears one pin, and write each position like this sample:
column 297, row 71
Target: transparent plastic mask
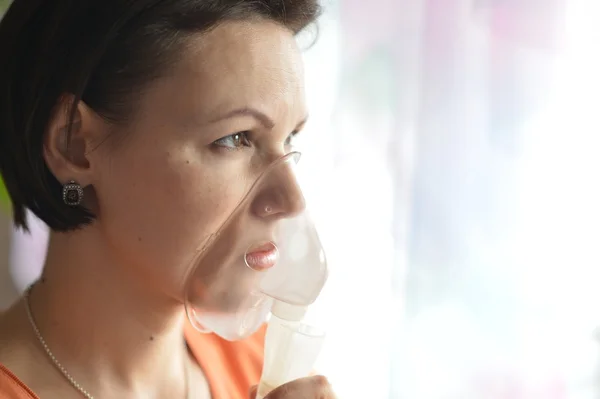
column 268, row 249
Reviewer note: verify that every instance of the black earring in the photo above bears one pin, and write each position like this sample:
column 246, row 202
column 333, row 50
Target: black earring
column 72, row 193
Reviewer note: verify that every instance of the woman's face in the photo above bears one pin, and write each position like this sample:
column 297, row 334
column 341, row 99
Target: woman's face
column 202, row 136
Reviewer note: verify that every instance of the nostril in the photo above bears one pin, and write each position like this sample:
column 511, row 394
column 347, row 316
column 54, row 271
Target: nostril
column 279, row 194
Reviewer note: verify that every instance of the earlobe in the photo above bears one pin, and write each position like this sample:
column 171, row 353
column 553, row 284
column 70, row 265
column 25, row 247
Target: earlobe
column 69, row 137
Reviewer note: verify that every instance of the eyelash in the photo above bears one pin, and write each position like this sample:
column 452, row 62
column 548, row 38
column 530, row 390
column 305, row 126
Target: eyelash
column 243, row 136
column 243, row 141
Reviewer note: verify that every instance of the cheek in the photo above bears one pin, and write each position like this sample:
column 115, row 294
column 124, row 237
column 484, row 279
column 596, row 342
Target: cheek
column 157, row 208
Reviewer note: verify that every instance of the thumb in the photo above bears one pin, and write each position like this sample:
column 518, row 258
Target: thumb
column 252, row 393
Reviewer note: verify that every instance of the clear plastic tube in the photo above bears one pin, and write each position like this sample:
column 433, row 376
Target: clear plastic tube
column 291, row 350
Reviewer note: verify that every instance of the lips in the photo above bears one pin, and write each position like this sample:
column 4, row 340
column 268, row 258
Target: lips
column 262, row 257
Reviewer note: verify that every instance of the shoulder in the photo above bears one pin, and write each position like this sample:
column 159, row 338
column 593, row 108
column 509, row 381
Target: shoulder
column 15, row 358
column 231, row 368
column 12, row 388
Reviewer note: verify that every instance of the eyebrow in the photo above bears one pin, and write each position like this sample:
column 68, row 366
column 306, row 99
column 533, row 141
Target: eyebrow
column 263, row 118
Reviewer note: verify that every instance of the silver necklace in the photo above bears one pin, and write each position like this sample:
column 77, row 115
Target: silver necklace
column 60, row 367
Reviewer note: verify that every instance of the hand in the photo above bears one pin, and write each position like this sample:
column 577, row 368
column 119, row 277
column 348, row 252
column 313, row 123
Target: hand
column 316, row 387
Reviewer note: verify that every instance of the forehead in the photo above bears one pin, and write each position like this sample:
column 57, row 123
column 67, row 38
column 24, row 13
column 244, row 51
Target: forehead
column 239, row 64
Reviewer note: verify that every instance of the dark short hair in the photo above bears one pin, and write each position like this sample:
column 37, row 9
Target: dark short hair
column 101, row 52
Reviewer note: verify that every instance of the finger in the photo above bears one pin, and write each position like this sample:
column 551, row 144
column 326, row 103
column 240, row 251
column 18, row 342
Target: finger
column 315, row 387
column 252, row 393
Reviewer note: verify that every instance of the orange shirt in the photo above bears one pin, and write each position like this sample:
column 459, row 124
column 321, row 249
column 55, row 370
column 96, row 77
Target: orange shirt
column 231, row 368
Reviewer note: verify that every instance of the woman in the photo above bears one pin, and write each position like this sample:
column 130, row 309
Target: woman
column 128, row 127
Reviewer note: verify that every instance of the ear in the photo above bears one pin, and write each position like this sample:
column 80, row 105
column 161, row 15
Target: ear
column 68, row 141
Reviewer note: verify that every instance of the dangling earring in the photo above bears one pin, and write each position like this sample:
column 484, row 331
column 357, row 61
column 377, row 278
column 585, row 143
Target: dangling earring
column 72, row 193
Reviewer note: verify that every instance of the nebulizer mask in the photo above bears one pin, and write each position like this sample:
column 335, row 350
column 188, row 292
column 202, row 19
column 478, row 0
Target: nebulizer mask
column 265, row 262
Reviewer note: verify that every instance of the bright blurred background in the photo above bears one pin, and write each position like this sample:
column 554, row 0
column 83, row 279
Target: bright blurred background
column 453, row 161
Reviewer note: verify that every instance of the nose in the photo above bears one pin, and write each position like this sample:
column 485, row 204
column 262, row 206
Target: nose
column 280, row 195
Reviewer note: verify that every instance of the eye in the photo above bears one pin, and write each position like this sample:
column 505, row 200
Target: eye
column 234, row 141
column 289, row 142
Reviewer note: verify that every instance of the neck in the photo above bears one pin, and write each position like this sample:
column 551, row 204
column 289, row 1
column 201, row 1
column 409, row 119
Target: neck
column 102, row 327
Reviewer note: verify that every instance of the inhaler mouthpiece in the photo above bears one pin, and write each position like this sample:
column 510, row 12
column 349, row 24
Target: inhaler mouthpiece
column 266, row 257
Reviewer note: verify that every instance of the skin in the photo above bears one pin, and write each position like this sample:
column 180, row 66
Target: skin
column 315, row 387
column 110, row 304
